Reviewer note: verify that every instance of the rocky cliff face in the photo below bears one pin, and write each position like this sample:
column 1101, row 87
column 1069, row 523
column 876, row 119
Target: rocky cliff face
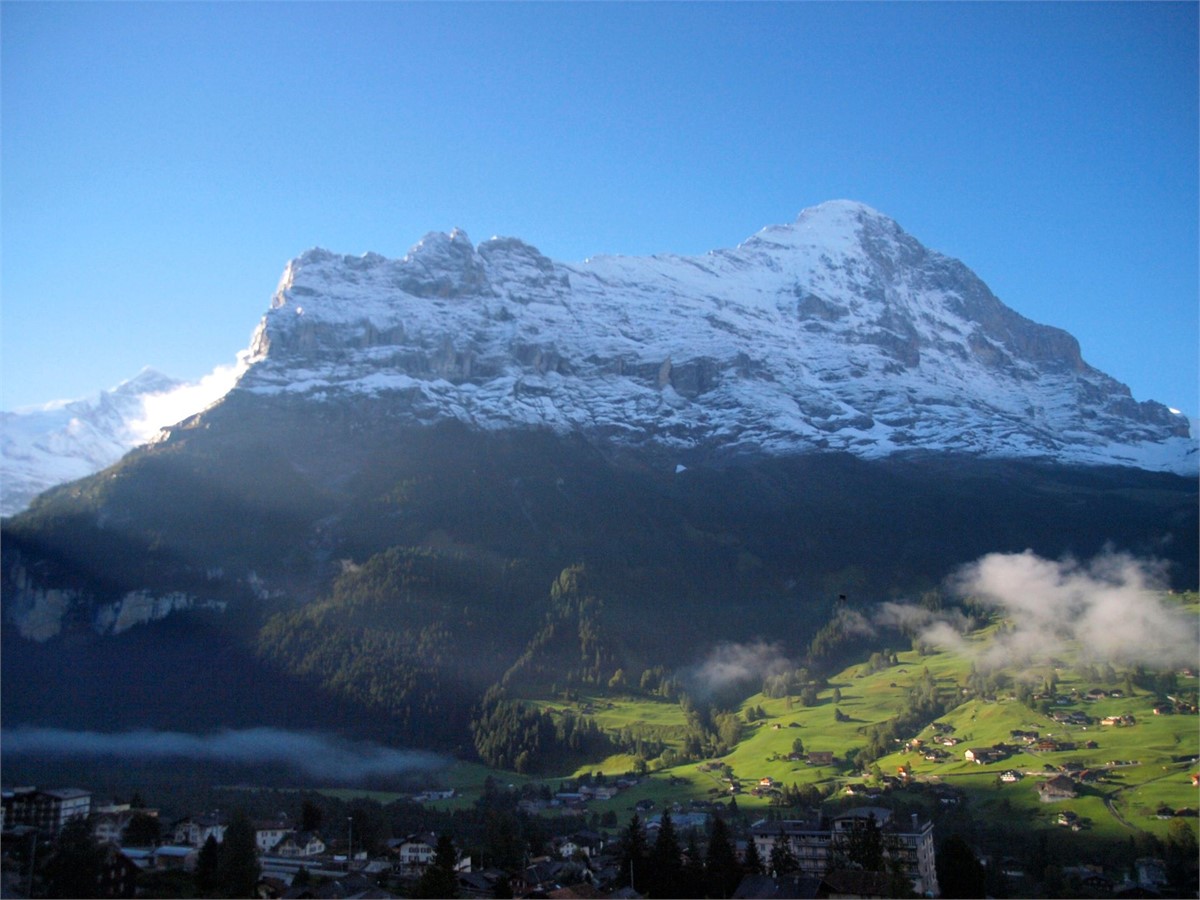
column 836, row 332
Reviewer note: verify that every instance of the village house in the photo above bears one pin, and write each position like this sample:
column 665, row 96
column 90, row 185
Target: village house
column 175, row 857
column 142, row 857
column 300, row 844
column 582, row 843
column 482, row 884
column 598, row 792
column 430, row 796
column 1060, row 787
column 820, row 758
column 196, row 830
column 1090, row 878
column 415, row 852
column 982, row 755
column 852, row 883
column 118, row 873
column 1151, row 873
column 109, row 822
column 268, row 833
column 948, row 796
column 163, row 858
column 1010, row 776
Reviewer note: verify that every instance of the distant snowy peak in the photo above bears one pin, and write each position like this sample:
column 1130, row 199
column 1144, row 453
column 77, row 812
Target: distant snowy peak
column 48, row 445
column 839, row 331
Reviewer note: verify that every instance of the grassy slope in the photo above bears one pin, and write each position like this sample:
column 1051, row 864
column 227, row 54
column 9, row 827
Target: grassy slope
column 1157, row 744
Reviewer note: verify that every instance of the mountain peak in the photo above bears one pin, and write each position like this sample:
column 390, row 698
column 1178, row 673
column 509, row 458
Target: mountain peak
column 839, row 331
column 852, row 209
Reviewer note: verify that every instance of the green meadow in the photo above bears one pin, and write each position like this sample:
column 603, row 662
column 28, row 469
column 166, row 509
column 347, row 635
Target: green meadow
column 1141, row 769
column 1156, row 755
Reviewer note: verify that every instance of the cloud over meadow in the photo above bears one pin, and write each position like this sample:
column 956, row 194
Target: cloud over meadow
column 1111, row 606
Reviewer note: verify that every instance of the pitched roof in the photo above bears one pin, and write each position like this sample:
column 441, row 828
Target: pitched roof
column 784, row 887
column 857, row 882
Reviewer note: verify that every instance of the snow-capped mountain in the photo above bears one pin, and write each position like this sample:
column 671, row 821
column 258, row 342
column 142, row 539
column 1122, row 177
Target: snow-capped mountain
column 423, row 461
column 44, row 446
column 838, row 331
column 48, row 445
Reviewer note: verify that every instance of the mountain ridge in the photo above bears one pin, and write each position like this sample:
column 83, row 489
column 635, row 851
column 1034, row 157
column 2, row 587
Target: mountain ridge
column 837, row 331
column 417, row 449
column 824, row 334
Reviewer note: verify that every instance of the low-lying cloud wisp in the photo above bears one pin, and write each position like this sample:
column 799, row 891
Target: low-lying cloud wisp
column 1110, row 607
column 731, row 664
column 316, row 754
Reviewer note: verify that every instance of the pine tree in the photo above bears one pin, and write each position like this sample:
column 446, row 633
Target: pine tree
column 633, row 856
column 783, row 860
column 439, row 878
column 693, row 868
column 959, row 871
column 73, row 869
column 721, row 867
column 753, row 862
column 237, row 859
column 206, row 866
column 143, row 830
column 666, row 862
column 862, row 846
column 310, row 817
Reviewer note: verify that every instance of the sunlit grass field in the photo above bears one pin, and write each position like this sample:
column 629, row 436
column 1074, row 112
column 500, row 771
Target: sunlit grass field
column 1142, row 767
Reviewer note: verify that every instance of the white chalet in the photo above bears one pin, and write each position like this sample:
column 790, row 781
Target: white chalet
column 300, row 844
column 416, row 851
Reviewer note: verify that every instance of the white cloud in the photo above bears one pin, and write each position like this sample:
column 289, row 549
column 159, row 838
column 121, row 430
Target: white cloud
column 729, row 664
column 169, row 407
column 1111, row 606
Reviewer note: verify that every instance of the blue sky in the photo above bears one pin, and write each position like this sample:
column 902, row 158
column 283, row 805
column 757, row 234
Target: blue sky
column 161, row 162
